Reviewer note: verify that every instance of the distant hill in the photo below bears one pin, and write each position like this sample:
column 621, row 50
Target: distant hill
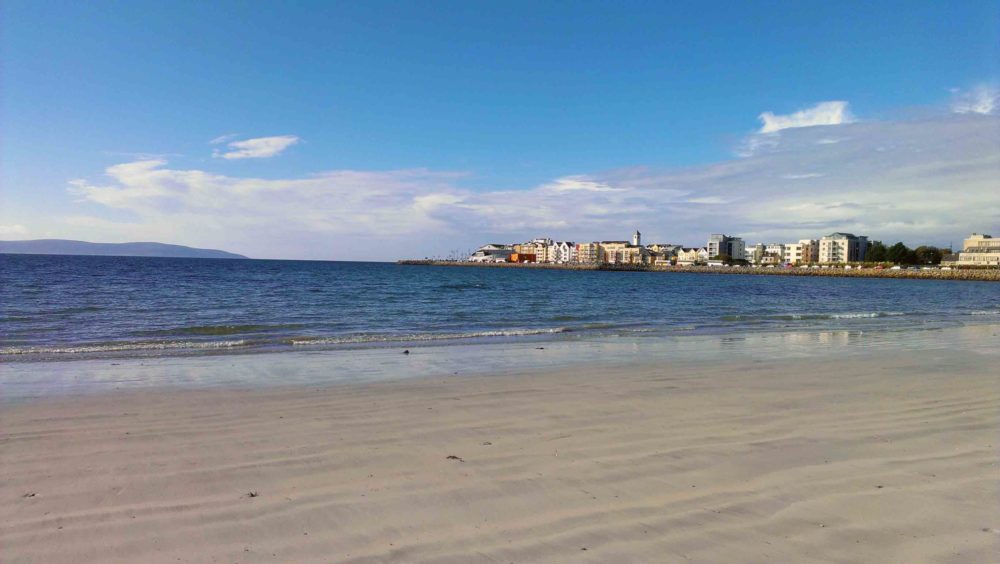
column 67, row 247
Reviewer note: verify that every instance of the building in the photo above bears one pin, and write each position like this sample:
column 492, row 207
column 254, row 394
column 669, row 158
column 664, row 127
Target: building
column 687, row 256
column 842, row 248
column 979, row 250
column 754, row 254
column 622, row 252
column 803, row 252
column 493, row 252
column 637, row 239
column 664, row 249
column 541, row 248
column 563, row 252
column 523, row 257
column 720, row 244
column 774, row 253
column 589, row 253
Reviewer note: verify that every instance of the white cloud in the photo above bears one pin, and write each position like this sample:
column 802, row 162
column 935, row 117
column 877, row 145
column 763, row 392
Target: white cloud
column 707, row 200
column 930, row 180
column 259, row 148
column 223, row 138
column 802, row 176
column 13, row 230
column 983, row 99
column 824, row 113
column 580, row 182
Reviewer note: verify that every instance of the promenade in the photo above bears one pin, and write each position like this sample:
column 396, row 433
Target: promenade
column 991, row 275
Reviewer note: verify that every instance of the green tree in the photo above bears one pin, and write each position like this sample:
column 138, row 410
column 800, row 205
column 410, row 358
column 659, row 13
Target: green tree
column 901, row 254
column 877, row 252
column 928, row 255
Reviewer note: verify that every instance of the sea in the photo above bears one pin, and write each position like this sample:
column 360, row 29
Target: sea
column 73, row 307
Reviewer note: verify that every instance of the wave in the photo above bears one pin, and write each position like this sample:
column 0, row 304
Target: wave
column 358, row 339
column 866, row 315
column 123, row 347
column 985, row 312
column 815, row 316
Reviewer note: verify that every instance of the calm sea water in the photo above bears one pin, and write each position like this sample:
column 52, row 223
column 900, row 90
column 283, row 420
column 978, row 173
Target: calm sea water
column 74, row 307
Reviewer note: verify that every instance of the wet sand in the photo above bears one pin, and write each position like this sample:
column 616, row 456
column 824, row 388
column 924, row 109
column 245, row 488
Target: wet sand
column 861, row 459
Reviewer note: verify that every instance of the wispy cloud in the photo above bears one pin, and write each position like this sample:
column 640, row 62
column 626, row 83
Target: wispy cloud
column 801, row 176
column 983, row 99
column 824, row 113
column 223, row 138
column 581, row 182
column 259, row 148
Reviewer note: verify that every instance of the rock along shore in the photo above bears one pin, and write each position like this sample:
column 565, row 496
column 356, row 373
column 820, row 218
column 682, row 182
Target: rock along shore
column 990, row 275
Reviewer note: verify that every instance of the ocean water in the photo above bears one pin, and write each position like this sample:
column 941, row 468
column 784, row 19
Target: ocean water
column 66, row 307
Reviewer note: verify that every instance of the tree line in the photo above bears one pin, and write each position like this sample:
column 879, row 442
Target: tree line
column 901, row 254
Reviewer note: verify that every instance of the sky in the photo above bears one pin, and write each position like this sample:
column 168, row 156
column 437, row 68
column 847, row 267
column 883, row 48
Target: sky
column 386, row 130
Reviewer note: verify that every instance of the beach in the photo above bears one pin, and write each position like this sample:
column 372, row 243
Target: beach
column 861, row 457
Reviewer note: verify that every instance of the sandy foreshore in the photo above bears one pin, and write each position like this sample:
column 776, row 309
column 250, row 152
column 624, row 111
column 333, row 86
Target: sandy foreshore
column 854, row 460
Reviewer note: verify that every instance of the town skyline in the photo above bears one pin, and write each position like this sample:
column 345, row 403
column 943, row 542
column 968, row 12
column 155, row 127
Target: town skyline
column 978, row 249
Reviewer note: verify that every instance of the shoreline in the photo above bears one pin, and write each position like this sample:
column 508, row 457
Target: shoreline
column 982, row 275
column 87, row 377
column 868, row 458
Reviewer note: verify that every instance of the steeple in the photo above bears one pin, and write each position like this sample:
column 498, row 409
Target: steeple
column 637, row 238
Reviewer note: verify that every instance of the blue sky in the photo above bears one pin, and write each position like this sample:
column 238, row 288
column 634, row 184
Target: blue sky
column 426, row 127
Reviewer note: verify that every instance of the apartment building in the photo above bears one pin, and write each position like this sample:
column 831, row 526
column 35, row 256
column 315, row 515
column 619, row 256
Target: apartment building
column 686, row 256
column 803, row 252
column 842, row 247
column 563, row 252
column 722, row 244
column 589, row 252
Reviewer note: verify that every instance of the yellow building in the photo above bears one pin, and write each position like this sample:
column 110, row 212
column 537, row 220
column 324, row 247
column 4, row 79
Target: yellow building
column 590, row 253
column 623, row 252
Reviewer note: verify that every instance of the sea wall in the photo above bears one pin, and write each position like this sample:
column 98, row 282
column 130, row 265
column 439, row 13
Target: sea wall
column 992, row 275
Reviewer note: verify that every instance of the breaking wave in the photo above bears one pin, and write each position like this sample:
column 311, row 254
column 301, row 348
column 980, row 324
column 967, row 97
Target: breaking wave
column 360, row 339
column 123, row 347
column 815, row 316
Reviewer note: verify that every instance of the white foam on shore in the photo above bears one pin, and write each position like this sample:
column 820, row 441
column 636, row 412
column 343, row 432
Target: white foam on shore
column 867, row 314
column 112, row 347
column 355, row 339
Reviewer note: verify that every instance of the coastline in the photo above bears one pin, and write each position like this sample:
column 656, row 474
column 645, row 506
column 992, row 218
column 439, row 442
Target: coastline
column 982, row 275
column 863, row 457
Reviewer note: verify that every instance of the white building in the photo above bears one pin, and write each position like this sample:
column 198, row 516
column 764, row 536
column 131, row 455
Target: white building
column 637, row 239
column 843, row 247
column 774, row 253
column 980, row 250
column 803, row 252
column 493, row 252
column 563, row 252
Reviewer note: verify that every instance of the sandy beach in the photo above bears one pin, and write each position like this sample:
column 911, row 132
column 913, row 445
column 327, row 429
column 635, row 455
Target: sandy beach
column 854, row 460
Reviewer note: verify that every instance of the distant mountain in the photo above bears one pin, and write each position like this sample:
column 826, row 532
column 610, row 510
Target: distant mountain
column 67, row 247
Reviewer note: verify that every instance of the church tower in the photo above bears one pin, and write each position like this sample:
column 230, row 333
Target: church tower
column 637, row 238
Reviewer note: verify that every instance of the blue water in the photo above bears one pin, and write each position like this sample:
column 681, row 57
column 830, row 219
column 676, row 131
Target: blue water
column 74, row 307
